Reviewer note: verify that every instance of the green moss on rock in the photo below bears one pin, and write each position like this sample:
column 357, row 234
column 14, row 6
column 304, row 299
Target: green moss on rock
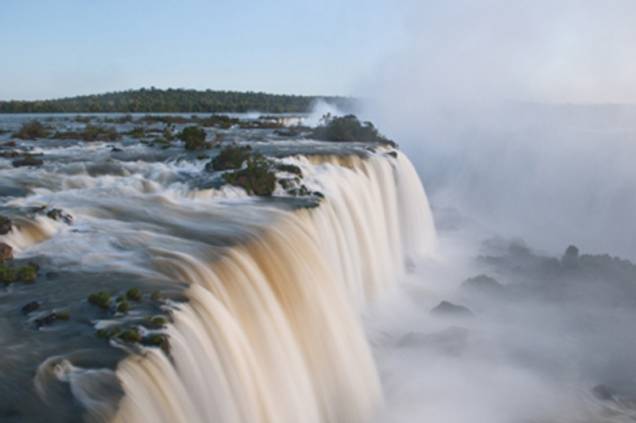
column 100, row 299
column 133, row 294
column 256, row 179
column 231, row 157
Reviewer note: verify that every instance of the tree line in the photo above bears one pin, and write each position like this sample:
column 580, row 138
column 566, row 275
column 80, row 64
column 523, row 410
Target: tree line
column 152, row 100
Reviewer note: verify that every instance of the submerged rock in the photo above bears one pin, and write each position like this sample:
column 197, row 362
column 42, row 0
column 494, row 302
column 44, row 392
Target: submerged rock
column 448, row 309
column 28, row 273
column 27, row 160
column 51, row 318
column 29, row 307
column 59, row 214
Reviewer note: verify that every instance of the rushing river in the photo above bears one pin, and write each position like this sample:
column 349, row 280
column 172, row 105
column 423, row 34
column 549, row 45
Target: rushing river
column 238, row 308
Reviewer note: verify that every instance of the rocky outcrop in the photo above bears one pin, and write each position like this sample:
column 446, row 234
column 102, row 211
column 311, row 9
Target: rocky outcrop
column 447, row 309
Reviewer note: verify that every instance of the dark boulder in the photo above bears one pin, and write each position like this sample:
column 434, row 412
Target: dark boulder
column 604, row 392
column 447, row 309
column 231, row 157
column 483, row 284
column 6, row 252
column 29, row 307
column 256, row 179
column 27, row 160
column 5, row 225
column 60, row 215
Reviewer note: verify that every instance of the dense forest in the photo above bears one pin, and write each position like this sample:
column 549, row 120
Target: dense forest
column 154, row 100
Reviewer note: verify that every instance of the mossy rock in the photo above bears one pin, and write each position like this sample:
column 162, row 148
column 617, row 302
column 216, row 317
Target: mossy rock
column 231, row 157
column 134, row 294
column 63, row 315
column 130, row 335
column 7, row 274
column 157, row 340
column 348, row 128
column 32, row 130
column 137, row 132
column 193, row 137
column 256, row 179
column 156, row 322
column 27, row 274
column 290, row 168
column 100, row 299
column 99, row 133
column 123, row 307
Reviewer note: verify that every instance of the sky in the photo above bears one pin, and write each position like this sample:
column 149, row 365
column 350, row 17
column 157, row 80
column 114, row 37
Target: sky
column 70, row 47
column 537, row 50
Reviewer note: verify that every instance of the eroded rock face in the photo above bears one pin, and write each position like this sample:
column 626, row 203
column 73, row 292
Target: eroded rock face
column 6, row 252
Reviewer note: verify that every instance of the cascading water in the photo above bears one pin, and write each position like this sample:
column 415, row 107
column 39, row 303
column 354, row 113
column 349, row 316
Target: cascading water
column 272, row 330
column 260, row 299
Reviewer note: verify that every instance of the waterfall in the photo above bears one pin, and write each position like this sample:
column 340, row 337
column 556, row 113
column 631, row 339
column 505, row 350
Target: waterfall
column 272, row 331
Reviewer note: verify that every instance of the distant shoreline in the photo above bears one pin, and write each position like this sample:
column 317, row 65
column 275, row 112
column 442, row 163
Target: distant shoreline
column 154, row 100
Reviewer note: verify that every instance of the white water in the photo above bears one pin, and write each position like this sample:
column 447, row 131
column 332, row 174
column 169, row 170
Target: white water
column 272, row 331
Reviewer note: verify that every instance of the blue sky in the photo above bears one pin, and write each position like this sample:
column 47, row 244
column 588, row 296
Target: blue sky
column 444, row 51
column 68, row 47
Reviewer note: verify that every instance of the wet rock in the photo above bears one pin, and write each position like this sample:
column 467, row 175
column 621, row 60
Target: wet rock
column 156, row 322
column 47, row 320
column 116, row 150
column 27, row 160
column 123, row 307
column 290, row 168
column 604, row 392
column 100, row 299
column 392, row 154
column 157, row 340
column 5, row 225
column 448, row 309
column 256, row 179
column 6, row 252
column 483, row 284
column 7, row 274
column 134, row 294
column 10, row 154
column 28, row 273
column 30, row 307
column 130, row 335
column 60, row 215
column 231, row 157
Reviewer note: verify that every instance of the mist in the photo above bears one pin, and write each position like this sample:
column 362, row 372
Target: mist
column 505, row 108
column 519, row 117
